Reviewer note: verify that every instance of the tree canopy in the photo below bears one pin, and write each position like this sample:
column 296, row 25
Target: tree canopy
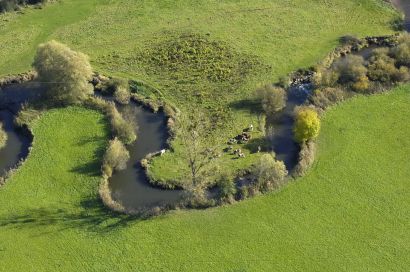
column 307, row 125
column 65, row 73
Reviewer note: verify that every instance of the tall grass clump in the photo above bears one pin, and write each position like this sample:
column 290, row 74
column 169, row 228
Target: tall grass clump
column 3, row 136
column 121, row 128
column 115, row 158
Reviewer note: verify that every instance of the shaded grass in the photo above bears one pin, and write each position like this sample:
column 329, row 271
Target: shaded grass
column 279, row 36
column 350, row 213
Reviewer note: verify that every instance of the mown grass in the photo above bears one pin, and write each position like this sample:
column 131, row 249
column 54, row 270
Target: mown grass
column 350, row 213
column 279, row 36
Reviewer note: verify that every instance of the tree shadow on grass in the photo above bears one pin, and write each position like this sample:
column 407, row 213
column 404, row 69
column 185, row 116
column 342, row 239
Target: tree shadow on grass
column 255, row 143
column 251, row 105
column 91, row 168
column 93, row 217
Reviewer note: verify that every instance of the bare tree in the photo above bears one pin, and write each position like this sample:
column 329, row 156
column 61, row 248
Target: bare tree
column 194, row 132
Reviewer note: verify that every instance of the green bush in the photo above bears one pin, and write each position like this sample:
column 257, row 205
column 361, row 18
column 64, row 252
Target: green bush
column 306, row 158
column 243, row 192
column 122, row 95
column 325, row 78
column 273, row 99
column 362, row 84
column 227, row 187
column 121, row 128
column 307, row 125
column 383, row 68
column 350, row 69
column 269, row 173
column 401, row 52
column 64, row 72
column 401, row 75
column 326, row 97
column 26, row 116
column 116, row 157
column 124, row 130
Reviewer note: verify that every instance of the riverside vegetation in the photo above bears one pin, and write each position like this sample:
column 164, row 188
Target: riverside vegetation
column 71, row 207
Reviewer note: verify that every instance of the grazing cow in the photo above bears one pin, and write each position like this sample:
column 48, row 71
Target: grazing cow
column 162, row 152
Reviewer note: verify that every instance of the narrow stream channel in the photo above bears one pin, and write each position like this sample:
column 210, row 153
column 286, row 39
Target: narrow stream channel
column 284, row 145
column 17, row 144
column 130, row 186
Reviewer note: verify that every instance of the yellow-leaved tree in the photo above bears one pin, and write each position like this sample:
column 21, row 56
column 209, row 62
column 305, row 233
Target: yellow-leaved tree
column 307, row 125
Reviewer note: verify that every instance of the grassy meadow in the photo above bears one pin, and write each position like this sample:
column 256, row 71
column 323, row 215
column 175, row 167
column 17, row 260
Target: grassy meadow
column 350, row 213
column 262, row 40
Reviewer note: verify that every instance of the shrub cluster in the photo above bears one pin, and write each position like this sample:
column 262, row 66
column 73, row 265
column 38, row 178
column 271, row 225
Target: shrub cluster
column 115, row 158
column 227, row 189
column 117, row 87
column 26, row 116
column 327, row 96
column 306, row 158
column 385, row 66
column 268, row 173
column 273, row 99
column 125, row 131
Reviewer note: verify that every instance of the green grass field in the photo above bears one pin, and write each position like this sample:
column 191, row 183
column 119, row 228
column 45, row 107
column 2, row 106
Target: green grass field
column 350, row 213
column 121, row 36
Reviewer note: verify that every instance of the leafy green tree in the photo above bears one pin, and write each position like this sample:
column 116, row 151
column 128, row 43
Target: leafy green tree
column 65, row 72
column 307, row 125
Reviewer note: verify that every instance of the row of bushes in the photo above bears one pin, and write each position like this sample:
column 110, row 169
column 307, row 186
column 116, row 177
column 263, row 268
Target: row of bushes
column 115, row 158
column 265, row 175
column 343, row 74
column 125, row 131
column 384, row 67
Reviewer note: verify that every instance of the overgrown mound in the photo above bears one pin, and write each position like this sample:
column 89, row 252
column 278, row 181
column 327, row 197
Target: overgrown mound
column 200, row 57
